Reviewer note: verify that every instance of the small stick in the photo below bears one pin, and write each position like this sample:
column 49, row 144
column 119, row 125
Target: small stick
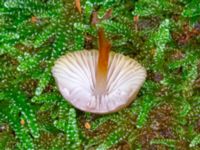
column 136, row 19
column 78, row 5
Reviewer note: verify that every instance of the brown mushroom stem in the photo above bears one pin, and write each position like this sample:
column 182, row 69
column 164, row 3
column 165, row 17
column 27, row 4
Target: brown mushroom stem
column 102, row 66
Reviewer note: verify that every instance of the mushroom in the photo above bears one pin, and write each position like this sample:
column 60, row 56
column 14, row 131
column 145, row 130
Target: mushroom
column 98, row 81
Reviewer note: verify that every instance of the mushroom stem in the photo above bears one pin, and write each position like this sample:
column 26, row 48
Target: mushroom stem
column 102, row 66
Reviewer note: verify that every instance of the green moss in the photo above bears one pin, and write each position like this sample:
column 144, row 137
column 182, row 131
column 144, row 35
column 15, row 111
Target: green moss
column 165, row 39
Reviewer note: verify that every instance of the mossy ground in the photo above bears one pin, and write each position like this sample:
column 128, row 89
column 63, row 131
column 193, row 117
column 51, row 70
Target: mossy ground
column 163, row 35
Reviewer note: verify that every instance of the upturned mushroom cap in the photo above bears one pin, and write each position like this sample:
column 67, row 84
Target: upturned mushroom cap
column 75, row 74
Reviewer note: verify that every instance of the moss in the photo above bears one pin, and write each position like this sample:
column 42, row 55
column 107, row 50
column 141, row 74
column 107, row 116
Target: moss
column 162, row 35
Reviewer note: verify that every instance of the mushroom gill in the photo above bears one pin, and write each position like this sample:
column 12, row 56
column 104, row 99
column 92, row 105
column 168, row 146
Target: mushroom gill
column 98, row 81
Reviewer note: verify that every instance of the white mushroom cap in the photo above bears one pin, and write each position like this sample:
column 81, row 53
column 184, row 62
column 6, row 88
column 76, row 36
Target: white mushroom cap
column 75, row 77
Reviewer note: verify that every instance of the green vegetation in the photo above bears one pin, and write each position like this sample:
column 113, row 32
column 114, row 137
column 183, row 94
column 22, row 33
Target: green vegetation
column 163, row 35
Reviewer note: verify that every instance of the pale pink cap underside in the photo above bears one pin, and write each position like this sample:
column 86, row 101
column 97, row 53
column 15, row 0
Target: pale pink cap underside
column 75, row 77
